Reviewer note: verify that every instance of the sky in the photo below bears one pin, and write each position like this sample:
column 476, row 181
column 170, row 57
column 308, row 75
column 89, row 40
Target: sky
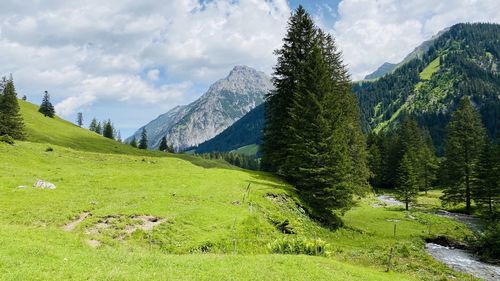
column 131, row 61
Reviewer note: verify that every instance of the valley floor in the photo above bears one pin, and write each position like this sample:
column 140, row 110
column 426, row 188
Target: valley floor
column 167, row 218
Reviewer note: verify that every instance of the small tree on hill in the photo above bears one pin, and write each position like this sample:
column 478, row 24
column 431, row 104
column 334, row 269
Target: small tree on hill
column 133, row 142
column 108, row 130
column 163, row 144
column 143, row 142
column 407, row 187
column 79, row 119
column 11, row 121
column 46, row 108
column 93, row 125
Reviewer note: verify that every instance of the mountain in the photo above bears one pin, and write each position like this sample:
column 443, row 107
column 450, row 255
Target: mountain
column 463, row 60
column 417, row 52
column 381, row 71
column 245, row 131
column 225, row 102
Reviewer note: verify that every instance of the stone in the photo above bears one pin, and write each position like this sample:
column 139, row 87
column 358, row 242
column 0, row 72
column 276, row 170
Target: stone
column 44, row 184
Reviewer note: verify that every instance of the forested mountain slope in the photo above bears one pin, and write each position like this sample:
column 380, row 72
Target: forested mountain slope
column 463, row 61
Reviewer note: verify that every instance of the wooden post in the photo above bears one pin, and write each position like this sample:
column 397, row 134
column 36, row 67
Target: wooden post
column 394, row 230
column 389, row 260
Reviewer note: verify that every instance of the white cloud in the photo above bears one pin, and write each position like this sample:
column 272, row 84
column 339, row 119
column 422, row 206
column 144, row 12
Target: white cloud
column 133, row 52
column 372, row 32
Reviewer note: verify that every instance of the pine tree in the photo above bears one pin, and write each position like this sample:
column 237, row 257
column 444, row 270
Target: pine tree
column 143, row 142
column 407, row 188
column 291, row 60
column 98, row 128
column 107, row 130
column 46, row 108
column 463, row 145
column 163, row 144
column 486, row 190
column 79, row 119
column 11, row 121
column 93, row 126
column 133, row 142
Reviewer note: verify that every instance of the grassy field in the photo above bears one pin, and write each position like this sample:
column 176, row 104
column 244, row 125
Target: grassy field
column 250, row 150
column 211, row 220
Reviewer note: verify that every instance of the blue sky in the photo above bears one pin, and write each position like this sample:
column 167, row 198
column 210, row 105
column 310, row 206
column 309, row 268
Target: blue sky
column 133, row 60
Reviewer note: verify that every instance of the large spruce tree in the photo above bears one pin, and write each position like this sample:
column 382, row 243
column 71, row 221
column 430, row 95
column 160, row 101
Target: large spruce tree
column 46, row 108
column 11, row 122
column 464, row 142
column 292, row 57
column 313, row 135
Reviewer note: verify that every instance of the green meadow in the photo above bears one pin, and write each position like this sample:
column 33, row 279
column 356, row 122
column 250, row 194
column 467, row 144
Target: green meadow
column 119, row 213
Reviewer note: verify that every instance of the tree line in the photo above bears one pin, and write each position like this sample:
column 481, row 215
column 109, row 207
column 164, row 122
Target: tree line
column 237, row 159
column 468, row 172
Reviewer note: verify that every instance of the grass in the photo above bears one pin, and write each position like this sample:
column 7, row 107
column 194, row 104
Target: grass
column 215, row 226
column 430, row 69
column 249, row 150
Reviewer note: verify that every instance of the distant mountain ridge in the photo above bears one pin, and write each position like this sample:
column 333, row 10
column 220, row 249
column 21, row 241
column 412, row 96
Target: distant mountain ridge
column 387, row 67
column 225, row 102
column 463, row 60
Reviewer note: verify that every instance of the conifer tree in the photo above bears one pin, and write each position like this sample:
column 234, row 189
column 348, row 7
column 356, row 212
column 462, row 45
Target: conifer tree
column 93, row 126
column 108, row 130
column 407, row 187
column 163, row 144
column 312, row 134
column 463, row 145
column 486, row 190
column 143, row 142
column 291, row 60
column 11, row 121
column 133, row 142
column 98, row 128
column 46, row 108
column 79, row 119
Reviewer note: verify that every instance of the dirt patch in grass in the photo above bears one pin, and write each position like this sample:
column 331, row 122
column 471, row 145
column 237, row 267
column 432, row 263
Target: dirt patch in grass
column 74, row 223
column 121, row 226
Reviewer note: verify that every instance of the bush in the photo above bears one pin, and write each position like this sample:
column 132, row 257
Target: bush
column 7, row 139
column 488, row 244
column 292, row 246
column 49, row 149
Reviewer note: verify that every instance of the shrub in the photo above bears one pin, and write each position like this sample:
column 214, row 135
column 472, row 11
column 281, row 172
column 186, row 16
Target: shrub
column 49, row 149
column 7, row 139
column 488, row 244
column 294, row 246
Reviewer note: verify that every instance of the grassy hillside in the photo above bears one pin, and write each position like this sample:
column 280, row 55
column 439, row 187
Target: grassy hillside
column 126, row 216
column 57, row 131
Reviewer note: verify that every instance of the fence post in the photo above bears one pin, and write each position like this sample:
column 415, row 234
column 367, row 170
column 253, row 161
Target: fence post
column 394, row 230
column 389, row 260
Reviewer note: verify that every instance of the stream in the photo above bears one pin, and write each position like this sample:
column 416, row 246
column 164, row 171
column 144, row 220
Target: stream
column 458, row 259
column 463, row 261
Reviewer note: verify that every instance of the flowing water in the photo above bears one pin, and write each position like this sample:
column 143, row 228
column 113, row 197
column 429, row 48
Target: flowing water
column 458, row 259
column 464, row 261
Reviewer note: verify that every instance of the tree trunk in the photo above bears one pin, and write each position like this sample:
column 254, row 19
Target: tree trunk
column 467, row 192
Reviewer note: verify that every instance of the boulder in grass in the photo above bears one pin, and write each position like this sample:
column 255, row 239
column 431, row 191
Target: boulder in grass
column 44, row 185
